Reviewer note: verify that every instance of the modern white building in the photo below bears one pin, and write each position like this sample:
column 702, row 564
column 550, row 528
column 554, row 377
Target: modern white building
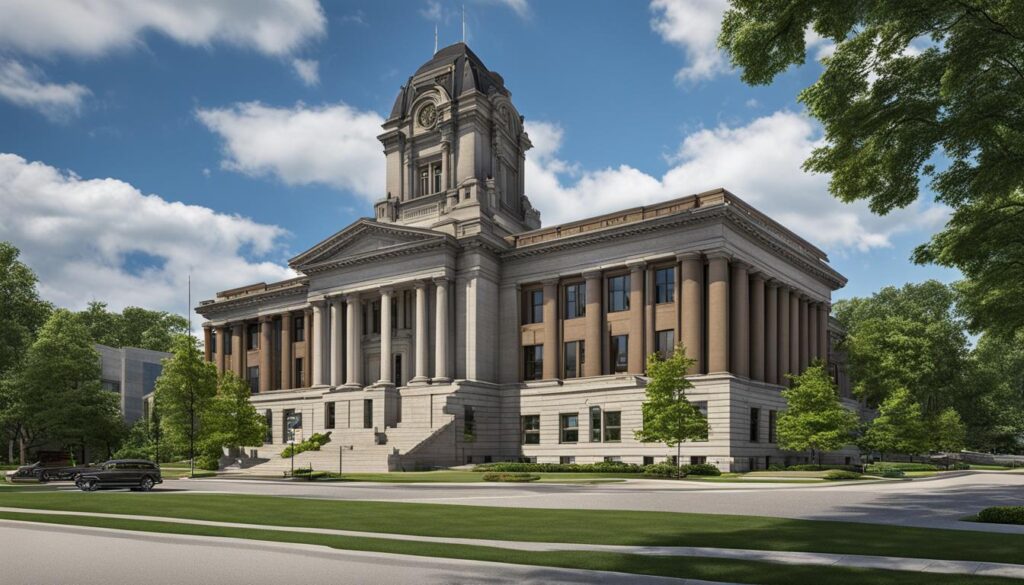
column 451, row 328
column 132, row 373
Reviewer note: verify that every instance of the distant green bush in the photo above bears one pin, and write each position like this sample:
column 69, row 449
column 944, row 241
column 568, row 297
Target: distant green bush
column 701, row 469
column 208, row 462
column 884, row 470
column 960, row 466
column 511, row 477
column 907, row 466
column 840, row 474
column 663, row 470
column 602, row 467
column 1002, row 515
column 313, row 443
column 807, row 467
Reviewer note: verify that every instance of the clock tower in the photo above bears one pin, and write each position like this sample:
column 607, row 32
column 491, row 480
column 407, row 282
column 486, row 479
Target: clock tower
column 455, row 149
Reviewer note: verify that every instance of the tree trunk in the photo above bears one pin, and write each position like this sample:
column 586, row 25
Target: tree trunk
column 21, row 450
column 10, row 450
column 679, row 460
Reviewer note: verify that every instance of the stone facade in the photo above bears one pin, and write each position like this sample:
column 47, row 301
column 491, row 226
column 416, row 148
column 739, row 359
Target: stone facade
column 451, row 328
column 132, row 373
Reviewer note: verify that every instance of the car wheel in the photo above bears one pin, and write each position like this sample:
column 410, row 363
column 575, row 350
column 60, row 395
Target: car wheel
column 88, row 485
column 44, row 477
column 146, row 484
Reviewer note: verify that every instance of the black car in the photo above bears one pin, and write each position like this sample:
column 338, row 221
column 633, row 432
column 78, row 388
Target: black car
column 137, row 474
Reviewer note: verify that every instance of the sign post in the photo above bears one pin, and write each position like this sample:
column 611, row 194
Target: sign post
column 341, row 457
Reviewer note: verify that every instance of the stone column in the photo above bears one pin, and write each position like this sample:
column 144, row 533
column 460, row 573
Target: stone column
column 266, row 354
column 318, row 343
column 771, row 334
column 636, row 318
column 650, row 300
column 691, row 308
column 812, row 331
column 307, row 364
column 551, row 329
column 718, row 314
column 757, row 357
column 441, row 332
column 804, row 343
column 823, row 342
column 353, row 310
column 422, row 345
column 222, row 342
column 207, row 344
column 337, row 334
column 238, row 350
column 739, row 320
column 783, row 340
column 794, row 332
column 386, row 378
column 593, row 342
column 287, row 378
column 445, row 170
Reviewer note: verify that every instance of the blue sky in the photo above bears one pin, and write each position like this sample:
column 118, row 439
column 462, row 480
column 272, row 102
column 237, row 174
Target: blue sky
column 142, row 141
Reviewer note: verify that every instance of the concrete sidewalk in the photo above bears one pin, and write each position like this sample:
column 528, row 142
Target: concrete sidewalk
column 779, row 557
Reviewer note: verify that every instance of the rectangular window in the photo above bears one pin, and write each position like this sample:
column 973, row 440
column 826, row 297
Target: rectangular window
column 664, row 342
column 618, row 293
column 299, row 328
column 368, row 413
column 773, row 417
column 665, row 285
column 619, row 348
column 437, row 179
column 328, row 415
column 254, row 378
column 595, row 424
column 268, row 416
column 253, row 336
column 227, row 344
column 755, row 430
column 299, row 380
column 612, row 459
column 213, row 341
column 533, row 311
column 533, row 362
column 566, row 460
column 468, row 422
column 572, row 360
column 698, row 460
column 648, row 460
column 569, row 428
column 612, row 427
column 425, row 181
column 375, row 312
column 531, row 429
column 702, row 406
column 575, row 300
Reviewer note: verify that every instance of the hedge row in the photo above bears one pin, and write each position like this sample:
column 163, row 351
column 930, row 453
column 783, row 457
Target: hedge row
column 1002, row 515
column 313, row 443
column 660, row 469
column 511, row 477
column 669, row 470
column 811, row 467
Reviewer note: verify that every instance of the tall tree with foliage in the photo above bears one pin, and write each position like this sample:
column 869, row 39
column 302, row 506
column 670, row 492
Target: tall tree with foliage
column 815, row 420
column 898, row 428
column 184, row 392
column 668, row 416
column 22, row 312
column 133, row 327
column 911, row 82
column 991, row 400
column 948, row 433
column 232, row 420
column 908, row 337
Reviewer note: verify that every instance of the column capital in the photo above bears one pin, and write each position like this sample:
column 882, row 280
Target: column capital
column 266, row 318
column 636, row 265
column 718, row 255
column 386, row 290
column 596, row 273
column 740, row 264
column 772, row 283
column 419, row 284
column 684, row 256
column 757, row 275
column 550, row 281
column 352, row 297
column 441, row 280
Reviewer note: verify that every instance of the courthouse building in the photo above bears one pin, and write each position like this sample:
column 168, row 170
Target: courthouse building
column 451, row 328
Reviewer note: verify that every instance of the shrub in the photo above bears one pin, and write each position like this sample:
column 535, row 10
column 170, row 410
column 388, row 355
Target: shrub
column 1002, row 515
column 807, row 467
column 313, row 443
column 884, row 471
column 208, row 462
column 603, row 467
column 663, row 470
column 959, row 466
column 776, row 467
column 701, row 469
column 512, row 477
column 907, row 466
column 840, row 474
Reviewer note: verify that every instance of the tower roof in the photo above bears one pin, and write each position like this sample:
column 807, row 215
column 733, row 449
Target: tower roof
column 470, row 74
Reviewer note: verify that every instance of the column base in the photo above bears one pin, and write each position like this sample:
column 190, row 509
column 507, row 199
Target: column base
column 351, row 387
column 419, row 381
column 381, row 384
column 442, row 380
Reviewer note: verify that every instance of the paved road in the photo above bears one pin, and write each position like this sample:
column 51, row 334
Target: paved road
column 42, row 555
column 934, row 503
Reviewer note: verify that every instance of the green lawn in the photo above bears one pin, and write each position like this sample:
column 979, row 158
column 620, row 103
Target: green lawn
column 678, row 567
column 530, row 524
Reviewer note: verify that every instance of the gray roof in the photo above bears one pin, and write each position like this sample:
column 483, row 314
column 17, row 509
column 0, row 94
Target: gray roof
column 470, row 74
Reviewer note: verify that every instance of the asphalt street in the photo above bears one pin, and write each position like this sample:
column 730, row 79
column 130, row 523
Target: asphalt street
column 932, row 503
column 35, row 554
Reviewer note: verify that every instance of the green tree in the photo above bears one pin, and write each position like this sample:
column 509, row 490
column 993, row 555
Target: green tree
column 948, row 433
column 909, row 337
column 22, row 312
column 992, row 398
column 898, row 428
column 133, row 327
column 668, row 416
column 909, row 83
column 814, row 420
column 184, row 392
column 232, row 420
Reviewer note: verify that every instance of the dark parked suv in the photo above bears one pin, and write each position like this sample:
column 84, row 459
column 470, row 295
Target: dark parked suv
column 120, row 473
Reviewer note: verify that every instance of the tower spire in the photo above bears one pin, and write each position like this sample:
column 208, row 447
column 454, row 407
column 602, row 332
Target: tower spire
column 463, row 24
column 435, row 38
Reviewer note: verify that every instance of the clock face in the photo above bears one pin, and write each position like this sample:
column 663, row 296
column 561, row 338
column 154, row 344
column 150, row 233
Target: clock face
column 428, row 115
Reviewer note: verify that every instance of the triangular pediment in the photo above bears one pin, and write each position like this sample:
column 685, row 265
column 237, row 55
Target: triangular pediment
column 362, row 239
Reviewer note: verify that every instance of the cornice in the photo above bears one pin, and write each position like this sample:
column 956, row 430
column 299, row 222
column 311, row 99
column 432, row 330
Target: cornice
column 249, row 300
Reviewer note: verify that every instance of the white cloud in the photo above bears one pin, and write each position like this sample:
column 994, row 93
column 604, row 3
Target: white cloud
column 27, row 87
column 308, row 71
column 760, row 162
column 333, row 145
column 94, row 28
column 520, row 7
column 433, row 11
column 103, row 239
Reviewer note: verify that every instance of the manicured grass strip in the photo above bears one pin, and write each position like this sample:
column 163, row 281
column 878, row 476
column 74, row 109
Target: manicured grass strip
column 543, row 525
column 678, row 567
column 477, row 477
